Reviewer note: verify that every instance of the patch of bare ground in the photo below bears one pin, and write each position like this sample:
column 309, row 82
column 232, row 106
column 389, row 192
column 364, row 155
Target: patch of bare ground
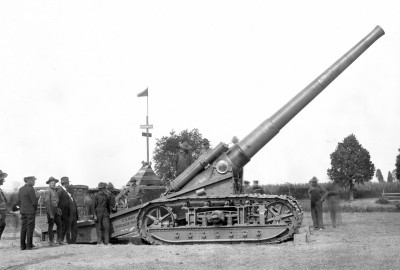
column 362, row 241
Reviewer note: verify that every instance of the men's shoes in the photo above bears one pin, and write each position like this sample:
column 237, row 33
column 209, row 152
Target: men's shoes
column 23, row 248
column 32, row 247
column 52, row 244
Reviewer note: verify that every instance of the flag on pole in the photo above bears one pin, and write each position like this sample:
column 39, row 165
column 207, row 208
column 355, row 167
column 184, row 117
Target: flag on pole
column 145, row 93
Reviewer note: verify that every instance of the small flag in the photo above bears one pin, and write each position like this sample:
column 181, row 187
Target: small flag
column 145, row 93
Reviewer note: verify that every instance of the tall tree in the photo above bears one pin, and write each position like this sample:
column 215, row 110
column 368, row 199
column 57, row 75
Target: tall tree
column 351, row 164
column 390, row 177
column 394, row 174
column 379, row 176
column 167, row 147
column 398, row 166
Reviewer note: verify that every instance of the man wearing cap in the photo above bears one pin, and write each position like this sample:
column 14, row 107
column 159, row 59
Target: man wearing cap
column 102, row 209
column 133, row 194
column 317, row 195
column 52, row 210
column 3, row 204
column 183, row 158
column 247, row 187
column 65, row 205
column 28, row 203
column 256, row 188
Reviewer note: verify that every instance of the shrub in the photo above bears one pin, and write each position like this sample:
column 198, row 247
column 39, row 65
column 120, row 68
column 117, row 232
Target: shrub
column 382, row 201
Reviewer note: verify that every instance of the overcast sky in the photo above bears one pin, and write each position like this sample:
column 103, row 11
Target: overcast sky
column 70, row 72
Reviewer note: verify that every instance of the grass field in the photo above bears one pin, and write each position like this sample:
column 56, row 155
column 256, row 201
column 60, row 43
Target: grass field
column 362, row 241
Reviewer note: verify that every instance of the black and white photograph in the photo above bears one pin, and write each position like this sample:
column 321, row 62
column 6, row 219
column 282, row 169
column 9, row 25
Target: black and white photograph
column 181, row 134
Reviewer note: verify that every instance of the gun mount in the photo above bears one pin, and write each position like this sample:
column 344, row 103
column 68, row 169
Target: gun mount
column 205, row 203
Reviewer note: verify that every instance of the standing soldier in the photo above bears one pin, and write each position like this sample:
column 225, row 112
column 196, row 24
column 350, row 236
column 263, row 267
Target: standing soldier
column 53, row 212
column 65, row 205
column 102, row 209
column 317, row 195
column 183, row 158
column 28, row 204
column 132, row 195
column 333, row 202
column 3, row 204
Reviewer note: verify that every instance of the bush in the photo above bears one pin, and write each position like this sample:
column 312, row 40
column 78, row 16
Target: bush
column 382, row 201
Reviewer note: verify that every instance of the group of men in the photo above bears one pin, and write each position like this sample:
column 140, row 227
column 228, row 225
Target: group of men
column 317, row 195
column 61, row 210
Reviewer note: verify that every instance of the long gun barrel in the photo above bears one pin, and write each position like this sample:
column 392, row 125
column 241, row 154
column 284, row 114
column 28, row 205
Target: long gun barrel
column 241, row 153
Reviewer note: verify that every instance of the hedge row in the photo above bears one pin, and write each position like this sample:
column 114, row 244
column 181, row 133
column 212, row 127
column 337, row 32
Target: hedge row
column 368, row 190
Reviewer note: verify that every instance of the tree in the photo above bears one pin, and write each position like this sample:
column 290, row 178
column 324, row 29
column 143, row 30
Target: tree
column 379, row 176
column 351, row 164
column 394, row 174
column 390, row 177
column 166, row 148
column 398, row 166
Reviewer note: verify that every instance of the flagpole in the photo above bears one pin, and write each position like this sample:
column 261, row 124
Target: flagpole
column 147, row 130
column 147, row 126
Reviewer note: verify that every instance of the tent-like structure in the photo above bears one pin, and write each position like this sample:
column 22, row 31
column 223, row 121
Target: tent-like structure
column 146, row 176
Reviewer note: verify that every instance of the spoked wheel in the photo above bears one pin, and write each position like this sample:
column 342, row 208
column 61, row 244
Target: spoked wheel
column 279, row 212
column 157, row 217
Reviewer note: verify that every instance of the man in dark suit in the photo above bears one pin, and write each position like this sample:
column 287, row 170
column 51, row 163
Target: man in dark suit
column 28, row 204
column 73, row 219
column 64, row 204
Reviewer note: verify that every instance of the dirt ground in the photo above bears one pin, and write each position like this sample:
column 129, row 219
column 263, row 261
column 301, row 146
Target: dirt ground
column 363, row 241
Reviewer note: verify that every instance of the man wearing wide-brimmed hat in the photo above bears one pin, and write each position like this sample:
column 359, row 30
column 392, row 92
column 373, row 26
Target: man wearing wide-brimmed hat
column 102, row 209
column 28, row 203
column 183, row 158
column 53, row 212
column 3, row 204
column 317, row 195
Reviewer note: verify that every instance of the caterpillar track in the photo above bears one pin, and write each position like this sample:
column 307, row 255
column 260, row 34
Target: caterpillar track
column 252, row 218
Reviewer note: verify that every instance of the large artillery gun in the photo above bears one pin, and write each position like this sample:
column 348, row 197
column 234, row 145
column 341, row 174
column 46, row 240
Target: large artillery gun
column 205, row 204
